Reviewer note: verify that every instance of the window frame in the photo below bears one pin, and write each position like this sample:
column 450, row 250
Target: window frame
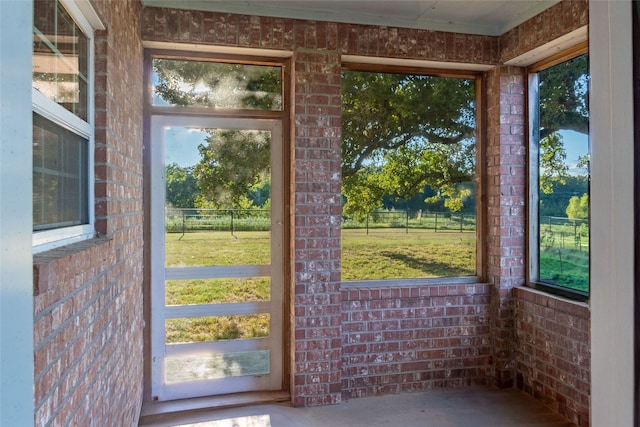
column 533, row 228
column 87, row 20
column 354, row 63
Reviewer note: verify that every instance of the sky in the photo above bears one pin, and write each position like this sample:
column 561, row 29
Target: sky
column 182, row 145
column 576, row 145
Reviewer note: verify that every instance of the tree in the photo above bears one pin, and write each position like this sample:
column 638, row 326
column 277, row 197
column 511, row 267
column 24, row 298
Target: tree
column 234, row 164
column 402, row 132
column 564, row 97
column 578, row 207
column 556, row 202
column 563, row 105
column 182, row 187
column 219, row 85
column 553, row 168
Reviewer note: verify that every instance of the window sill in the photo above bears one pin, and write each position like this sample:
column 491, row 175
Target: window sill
column 59, row 264
column 553, row 301
column 559, row 291
column 391, row 283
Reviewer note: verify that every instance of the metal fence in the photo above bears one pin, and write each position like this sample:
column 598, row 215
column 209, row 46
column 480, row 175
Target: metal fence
column 232, row 220
column 407, row 220
column 564, row 233
column 554, row 231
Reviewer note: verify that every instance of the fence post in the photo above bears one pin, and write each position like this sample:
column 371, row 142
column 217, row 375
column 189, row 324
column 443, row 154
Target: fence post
column 407, row 222
column 231, row 210
column 436, row 227
column 461, row 221
column 184, row 220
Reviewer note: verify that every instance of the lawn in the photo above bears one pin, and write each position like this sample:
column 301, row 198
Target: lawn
column 395, row 254
column 564, row 253
column 566, row 267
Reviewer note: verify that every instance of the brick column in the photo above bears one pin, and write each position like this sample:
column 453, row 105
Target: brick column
column 506, row 213
column 317, row 302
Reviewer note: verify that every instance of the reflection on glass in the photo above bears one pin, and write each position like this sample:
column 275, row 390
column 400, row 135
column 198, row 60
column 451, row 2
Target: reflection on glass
column 214, row 366
column 214, row 328
column 563, row 211
column 59, row 176
column 216, row 85
column 60, row 57
column 408, row 176
column 218, row 197
column 216, row 291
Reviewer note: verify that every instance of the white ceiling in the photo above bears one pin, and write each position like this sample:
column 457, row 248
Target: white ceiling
column 487, row 17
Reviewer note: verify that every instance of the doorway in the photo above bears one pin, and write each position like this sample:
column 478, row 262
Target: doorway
column 217, row 252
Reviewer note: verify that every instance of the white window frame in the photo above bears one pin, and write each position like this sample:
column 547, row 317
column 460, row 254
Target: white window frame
column 86, row 18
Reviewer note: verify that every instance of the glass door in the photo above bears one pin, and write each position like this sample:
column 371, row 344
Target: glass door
column 217, row 235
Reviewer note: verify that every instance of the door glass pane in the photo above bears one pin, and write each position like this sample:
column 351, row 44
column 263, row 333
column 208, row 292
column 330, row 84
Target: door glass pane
column 217, row 85
column 218, row 197
column 215, row 328
column 212, row 366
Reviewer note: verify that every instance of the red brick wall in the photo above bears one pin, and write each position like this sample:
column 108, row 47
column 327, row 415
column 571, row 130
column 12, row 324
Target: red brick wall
column 88, row 296
column 316, row 370
column 553, row 352
column 223, row 29
column 506, row 213
column 558, row 20
column 410, row 338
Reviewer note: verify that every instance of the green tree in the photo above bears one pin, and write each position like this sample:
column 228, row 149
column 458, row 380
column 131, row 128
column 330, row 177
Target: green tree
column 578, row 207
column 556, row 202
column 219, row 85
column 403, row 132
column 234, row 164
column 553, row 167
column 563, row 105
column 182, row 187
column 564, row 97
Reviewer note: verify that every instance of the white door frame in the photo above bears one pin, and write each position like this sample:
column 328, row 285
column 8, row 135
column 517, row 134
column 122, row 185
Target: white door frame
column 161, row 390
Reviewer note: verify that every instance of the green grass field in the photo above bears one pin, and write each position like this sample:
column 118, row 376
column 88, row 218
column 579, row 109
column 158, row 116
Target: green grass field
column 565, row 267
column 395, row 254
column 564, row 253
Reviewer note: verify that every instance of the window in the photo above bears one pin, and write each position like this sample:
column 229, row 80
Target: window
column 62, row 124
column 408, row 175
column 216, row 85
column 559, row 176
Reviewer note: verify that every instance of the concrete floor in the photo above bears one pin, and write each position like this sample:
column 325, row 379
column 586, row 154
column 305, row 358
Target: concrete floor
column 476, row 407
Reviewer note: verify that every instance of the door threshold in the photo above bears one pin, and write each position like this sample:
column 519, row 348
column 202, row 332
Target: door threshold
column 165, row 411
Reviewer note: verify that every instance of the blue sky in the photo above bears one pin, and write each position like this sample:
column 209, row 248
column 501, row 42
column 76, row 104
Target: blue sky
column 576, row 144
column 182, row 145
